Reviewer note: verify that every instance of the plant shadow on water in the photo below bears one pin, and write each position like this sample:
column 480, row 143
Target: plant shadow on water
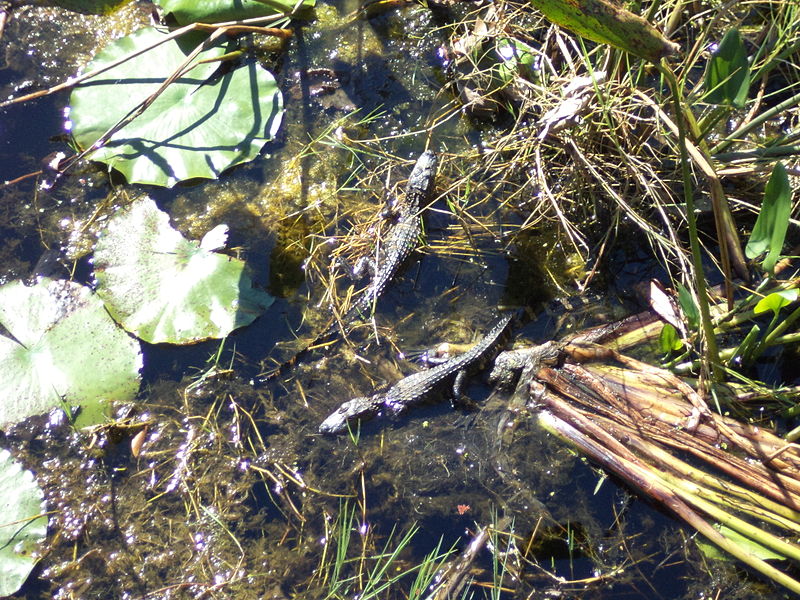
column 234, row 493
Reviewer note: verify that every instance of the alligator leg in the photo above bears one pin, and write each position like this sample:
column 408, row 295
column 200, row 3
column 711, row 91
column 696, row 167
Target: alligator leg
column 458, row 383
column 364, row 265
column 460, row 400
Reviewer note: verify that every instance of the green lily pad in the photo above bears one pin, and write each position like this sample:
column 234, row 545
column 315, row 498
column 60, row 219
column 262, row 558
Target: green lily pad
column 63, row 350
column 217, row 11
column 166, row 289
column 202, row 124
column 23, row 524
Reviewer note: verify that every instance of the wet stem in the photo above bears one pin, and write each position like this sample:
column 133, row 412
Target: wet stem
column 712, row 351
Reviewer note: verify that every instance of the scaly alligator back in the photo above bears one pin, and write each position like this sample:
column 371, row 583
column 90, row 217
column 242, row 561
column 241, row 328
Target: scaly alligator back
column 414, row 389
column 398, row 244
column 402, row 237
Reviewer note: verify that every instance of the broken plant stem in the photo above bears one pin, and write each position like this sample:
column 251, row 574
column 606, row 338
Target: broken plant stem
column 589, row 438
column 712, row 352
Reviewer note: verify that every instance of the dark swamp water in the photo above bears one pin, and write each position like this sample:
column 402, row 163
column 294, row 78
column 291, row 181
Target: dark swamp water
column 235, row 494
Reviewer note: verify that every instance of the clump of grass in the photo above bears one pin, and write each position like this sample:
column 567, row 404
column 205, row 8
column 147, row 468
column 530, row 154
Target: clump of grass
column 369, row 571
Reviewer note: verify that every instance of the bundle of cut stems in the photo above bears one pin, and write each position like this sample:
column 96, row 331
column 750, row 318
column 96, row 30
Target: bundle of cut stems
column 636, row 420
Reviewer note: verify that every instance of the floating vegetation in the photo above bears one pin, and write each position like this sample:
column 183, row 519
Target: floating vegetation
column 62, row 350
column 183, row 133
column 23, row 526
column 166, row 289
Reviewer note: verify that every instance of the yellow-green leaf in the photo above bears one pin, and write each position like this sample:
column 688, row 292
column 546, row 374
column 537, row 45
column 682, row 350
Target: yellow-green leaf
column 776, row 301
column 668, row 340
column 606, row 23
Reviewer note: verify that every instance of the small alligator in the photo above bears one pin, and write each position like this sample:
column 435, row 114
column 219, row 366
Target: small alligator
column 397, row 245
column 401, row 239
column 417, row 388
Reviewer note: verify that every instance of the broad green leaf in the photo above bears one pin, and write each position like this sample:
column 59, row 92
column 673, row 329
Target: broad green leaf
column 605, row 22
column 217, row 11
column 688, row 306
column 166, row 289
column 63, row 350
column 202, row 124
column 668, row 340
column 776, row 301
column 728, row 74
column 23, row 524
column 769, row 231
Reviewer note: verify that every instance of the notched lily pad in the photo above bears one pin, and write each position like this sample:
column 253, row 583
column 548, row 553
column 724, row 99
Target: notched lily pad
column 23, row 524
column 166, row 289
column 63, row 350
column 206, row 121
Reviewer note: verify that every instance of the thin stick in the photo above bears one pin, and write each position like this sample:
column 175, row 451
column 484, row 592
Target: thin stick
column 73, row 81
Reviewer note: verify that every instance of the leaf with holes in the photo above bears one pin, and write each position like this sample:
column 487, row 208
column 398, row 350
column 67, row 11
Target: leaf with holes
column 606, row 22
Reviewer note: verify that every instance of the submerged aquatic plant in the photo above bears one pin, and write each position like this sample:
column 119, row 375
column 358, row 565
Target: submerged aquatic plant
column 373, row 572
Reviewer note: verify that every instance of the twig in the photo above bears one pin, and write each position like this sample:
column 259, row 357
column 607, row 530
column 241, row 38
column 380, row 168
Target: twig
column 453, row 577
column 73, row 81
